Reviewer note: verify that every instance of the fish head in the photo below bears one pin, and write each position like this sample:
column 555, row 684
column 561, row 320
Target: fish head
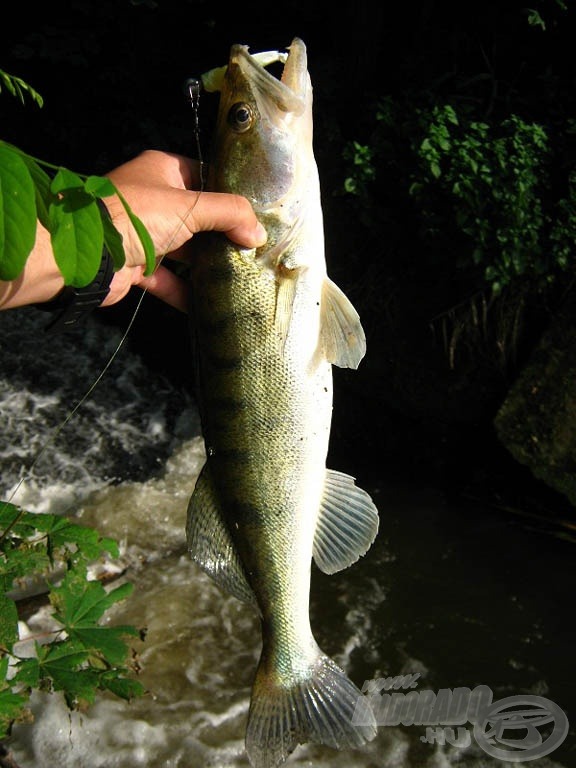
column 263, row 138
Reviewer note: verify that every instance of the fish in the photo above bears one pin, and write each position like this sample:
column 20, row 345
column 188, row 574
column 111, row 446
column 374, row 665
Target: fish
column 268, row 324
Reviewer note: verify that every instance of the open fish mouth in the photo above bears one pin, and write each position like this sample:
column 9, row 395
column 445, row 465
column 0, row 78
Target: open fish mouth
column 288, row 93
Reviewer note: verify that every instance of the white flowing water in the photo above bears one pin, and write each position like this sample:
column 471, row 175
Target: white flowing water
column 464, row 597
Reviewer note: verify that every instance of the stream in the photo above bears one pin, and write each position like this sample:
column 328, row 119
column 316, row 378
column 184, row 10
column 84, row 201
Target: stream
column 453, row 594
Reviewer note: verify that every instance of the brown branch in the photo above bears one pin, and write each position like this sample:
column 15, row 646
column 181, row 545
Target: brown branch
column 6, row 759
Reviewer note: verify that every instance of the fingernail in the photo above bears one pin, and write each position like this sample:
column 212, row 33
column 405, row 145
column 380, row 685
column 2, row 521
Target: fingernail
column 260, row 233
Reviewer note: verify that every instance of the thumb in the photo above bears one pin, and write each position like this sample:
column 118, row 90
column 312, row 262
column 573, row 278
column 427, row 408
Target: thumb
column 231, row 214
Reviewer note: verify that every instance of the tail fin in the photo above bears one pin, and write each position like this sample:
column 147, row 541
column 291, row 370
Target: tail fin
column 319, row 709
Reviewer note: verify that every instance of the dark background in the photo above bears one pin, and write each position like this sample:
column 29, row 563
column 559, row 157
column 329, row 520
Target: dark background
column 112, row 73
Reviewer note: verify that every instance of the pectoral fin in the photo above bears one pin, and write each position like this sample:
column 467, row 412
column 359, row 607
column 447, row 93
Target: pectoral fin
column 342, row 335
column 347, row 523
column 210, row 544
column 285, row 293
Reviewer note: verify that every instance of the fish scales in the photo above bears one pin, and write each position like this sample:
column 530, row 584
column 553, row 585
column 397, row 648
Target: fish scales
column 268, row 326
column 260, row 433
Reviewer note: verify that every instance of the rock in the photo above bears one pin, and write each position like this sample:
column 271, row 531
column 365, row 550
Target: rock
column 537, row 421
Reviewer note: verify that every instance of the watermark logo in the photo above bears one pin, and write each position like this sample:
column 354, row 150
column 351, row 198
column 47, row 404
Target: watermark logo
column 516, row 729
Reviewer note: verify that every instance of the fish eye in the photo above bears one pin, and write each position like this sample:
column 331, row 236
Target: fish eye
column 240, row 117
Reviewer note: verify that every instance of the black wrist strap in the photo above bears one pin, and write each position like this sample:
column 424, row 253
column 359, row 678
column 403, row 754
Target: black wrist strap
column 73, row 305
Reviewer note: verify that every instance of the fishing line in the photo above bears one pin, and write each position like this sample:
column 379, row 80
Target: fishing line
column 193, row 89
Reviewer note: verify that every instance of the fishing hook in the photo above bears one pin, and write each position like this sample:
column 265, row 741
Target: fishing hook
column 192, row 89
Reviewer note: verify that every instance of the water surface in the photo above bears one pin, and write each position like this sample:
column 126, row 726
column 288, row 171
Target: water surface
column 459, row 593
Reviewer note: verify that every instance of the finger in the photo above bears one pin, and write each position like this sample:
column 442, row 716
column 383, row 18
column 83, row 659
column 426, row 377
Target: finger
column 185, row 171
column 158, row 168
column 231, row 214
column 183, row 253
column 179, row 171
column 168, row 287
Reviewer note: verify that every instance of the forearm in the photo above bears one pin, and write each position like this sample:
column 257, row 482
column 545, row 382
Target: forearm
column 40, row 280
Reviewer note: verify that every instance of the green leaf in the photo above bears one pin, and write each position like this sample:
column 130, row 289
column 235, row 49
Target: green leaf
column 350, row 186
column 114, row 244
column 535, row 20
column 76, row 229
column 106, row 642
column 18, row 87
column 41, row 182
column 67, row 654
column 66, row 665
column 8, row 621
column 142, row 233
column 10, row 516
column 123, row 687
column 11, row 709
column 11, row 704
column 4, row 664
column 62, row 533
column 99, row 186
column 44, row 195
column 81, row 603
column 62, row 664
column 28, row 673
column 17, row 213
column 21, row 560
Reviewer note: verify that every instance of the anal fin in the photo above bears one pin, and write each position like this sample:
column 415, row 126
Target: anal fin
column 209, row 541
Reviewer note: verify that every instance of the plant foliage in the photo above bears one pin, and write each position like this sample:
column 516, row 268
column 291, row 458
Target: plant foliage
column 18, row 88
column 495, row 180
column 481, row 190
column 79, row 656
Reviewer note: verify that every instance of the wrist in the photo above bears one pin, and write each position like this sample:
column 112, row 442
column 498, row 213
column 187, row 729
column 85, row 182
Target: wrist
column 72, row 305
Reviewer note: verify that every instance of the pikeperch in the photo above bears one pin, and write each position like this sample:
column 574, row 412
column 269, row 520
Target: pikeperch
column 268, row 326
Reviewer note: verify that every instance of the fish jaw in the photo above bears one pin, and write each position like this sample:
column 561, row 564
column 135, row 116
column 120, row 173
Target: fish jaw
column 292, row 93
column 263, row 137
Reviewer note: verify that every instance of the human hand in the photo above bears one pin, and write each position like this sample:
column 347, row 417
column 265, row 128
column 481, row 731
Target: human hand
column 159, row 188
